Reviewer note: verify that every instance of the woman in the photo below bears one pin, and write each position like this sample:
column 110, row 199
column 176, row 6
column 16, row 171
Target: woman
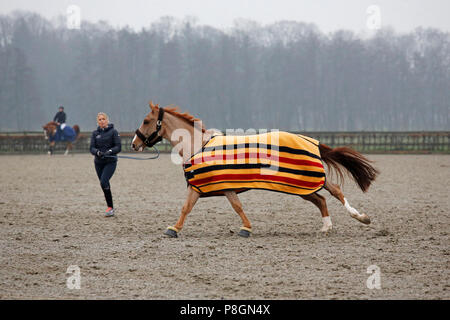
column 105, row 143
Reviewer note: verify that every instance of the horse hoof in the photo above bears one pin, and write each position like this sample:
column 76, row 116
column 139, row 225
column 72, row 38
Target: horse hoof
column 171, row 232
column 361, row 217
column 245, row 232
column 364, row 218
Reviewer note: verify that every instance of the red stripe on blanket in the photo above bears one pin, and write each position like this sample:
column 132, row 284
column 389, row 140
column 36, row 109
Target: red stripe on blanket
column 248, row 155
column 249, row 177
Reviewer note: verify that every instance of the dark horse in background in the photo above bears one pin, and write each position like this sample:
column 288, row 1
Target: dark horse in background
column 60, row 133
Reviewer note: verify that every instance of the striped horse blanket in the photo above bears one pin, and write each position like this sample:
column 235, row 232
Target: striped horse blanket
column 276, row 161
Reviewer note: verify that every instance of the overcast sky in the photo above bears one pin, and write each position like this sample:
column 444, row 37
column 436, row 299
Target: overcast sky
column 328, row 15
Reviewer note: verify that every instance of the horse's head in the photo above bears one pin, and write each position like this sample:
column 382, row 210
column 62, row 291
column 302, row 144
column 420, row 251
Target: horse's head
column 49, row 129
column 148, row 127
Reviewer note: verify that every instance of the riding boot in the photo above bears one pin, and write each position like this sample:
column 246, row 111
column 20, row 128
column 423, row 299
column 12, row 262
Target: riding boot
column 108, row 197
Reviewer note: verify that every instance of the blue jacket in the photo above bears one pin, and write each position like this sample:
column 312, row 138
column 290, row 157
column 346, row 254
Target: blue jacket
column 104, row 140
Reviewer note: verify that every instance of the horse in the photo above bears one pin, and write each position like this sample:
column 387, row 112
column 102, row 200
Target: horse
column 55, row 133
column 212, row 170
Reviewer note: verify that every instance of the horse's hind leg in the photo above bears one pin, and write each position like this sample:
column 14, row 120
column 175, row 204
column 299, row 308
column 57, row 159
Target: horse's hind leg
column 68, row 148
column 336, row 192
column 187, row 208
column 237, row 206
column 321, row 203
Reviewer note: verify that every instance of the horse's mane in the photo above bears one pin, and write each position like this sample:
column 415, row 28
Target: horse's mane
column 51, row 123
column 175, row 110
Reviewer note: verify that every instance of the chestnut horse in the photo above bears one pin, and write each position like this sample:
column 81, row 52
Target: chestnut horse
column 170, row 124
column 54, row 133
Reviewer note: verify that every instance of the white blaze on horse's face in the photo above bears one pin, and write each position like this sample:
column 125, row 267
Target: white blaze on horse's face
column 49, row 130
column 147, row 126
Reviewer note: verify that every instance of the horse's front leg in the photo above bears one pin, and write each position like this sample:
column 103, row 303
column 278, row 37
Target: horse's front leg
column 187, row 208
column 237, row 206
column 51, row 147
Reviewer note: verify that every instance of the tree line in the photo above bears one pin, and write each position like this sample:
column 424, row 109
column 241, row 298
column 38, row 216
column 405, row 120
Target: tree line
column 287, row 75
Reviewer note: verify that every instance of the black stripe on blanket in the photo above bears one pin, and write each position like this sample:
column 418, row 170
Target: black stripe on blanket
column 262, row 146
column 271, row 182
column 190, row 174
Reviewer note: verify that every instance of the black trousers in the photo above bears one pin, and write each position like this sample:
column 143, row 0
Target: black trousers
column 105, row 171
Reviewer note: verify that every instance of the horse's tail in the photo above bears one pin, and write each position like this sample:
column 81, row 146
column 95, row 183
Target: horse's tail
column 355, row 163
column 76, row 128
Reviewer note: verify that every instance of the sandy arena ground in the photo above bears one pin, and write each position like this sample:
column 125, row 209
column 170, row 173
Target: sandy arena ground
column 51, row 211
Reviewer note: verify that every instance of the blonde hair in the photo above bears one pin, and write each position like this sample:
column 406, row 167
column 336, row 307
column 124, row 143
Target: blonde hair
column 103, row 114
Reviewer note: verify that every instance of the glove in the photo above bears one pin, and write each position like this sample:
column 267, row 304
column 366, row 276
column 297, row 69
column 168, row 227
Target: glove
column 100, row 154
column 108, row 153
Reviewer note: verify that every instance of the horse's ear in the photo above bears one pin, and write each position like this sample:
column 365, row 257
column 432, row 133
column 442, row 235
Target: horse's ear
column 153, row 108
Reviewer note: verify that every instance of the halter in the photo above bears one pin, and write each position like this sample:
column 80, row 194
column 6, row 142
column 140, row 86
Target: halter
column 151, row 141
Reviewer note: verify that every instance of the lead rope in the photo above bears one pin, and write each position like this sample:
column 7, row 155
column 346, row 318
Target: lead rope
column 136, row 158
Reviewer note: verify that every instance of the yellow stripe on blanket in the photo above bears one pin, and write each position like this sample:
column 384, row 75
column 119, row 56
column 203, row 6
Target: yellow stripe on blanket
column 276, row 161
